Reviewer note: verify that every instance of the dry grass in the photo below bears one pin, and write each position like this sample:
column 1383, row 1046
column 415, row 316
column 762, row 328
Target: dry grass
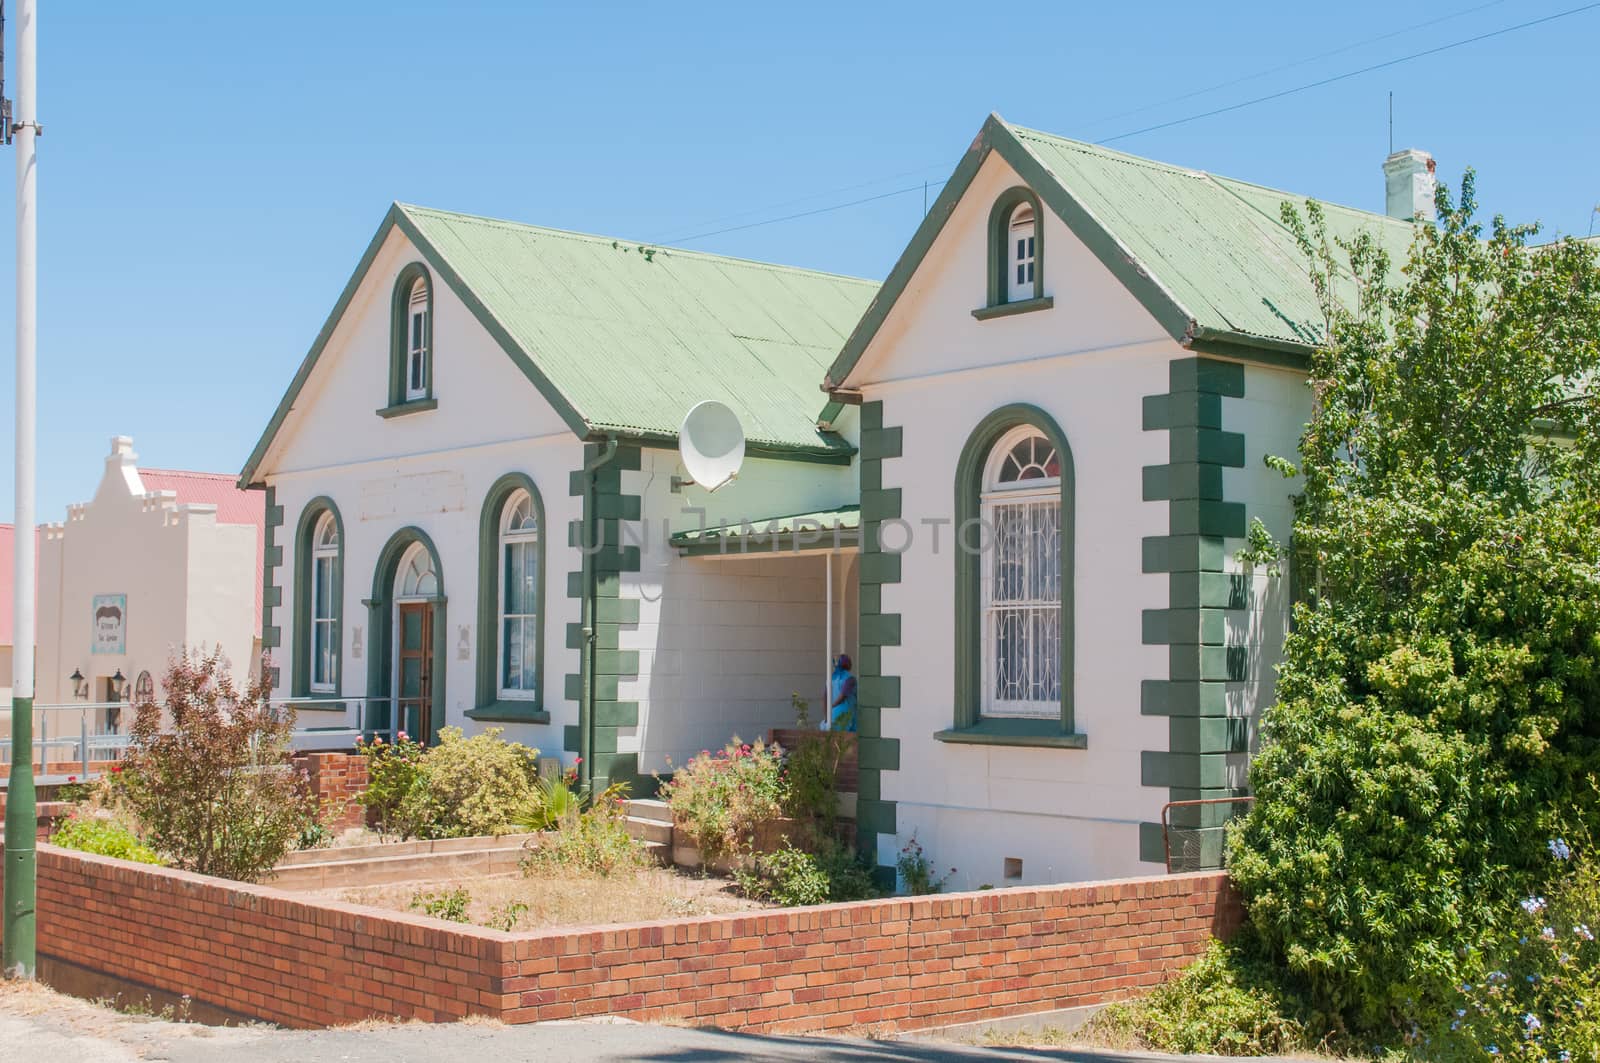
column 569, row 897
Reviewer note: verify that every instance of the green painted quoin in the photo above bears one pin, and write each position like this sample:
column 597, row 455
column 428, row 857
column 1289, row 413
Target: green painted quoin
column 613, row 558
column 1203, row 598
column 876, row 691
column 271, row 593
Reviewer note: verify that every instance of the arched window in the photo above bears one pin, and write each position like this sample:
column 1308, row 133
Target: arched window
column 318, row 599
column 1013, row 583
column 416, row 578
column 1016, row 256
column 324, row 624
column 417, row 341
column 1020, row 247
column 411, row 343
column 144, row 690
column 511, row 603
column 1022, row 582
column 519, row 597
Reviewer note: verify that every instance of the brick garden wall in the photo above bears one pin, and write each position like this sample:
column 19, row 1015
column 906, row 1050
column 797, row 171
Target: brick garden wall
column 336, row 779
column 903, row 963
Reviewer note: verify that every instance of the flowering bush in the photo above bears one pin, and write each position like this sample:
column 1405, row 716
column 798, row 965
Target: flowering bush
column 725, row 800
column 458, row 788
column 213, row 792
column 1535, row 990
column 916, row 870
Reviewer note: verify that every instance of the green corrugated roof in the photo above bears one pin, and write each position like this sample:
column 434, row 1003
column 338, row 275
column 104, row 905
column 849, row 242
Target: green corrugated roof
column 624, row 339
column 1216, row 244
column 1208, row 256
column 768, row 534
column 633, row 339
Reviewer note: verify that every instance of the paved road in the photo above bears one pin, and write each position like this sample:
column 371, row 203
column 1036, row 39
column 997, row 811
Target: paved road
column 38, row 1026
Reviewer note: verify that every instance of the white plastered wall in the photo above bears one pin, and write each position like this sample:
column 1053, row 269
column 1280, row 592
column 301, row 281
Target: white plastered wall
column 1089, row 361
column 431, row 470
column 724, row 641
column 189, row 581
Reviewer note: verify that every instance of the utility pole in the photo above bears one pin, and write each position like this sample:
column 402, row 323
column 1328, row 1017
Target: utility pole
column 22, row 814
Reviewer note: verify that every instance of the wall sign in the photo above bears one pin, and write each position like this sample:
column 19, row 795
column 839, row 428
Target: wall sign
column 110, row 624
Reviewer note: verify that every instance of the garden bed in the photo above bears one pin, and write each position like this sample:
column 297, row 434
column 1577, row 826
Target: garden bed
column 546, row 899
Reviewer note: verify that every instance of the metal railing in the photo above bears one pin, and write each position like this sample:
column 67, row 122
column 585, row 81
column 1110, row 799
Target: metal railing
column 79, row 738
column 1201, row 845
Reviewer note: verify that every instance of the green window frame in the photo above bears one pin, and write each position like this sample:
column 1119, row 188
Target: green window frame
column 970, row 725
column 492, row 703
column 999, row 303
column 403, row 398
column 305, row 557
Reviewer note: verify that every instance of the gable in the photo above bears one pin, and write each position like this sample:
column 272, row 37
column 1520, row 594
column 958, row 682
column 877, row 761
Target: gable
column 621, row 339
column 931, row 328
column 331, row 413
column 1207, row 257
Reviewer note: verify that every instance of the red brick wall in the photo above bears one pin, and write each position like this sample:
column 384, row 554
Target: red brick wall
column 903, row 963
column 337, row 779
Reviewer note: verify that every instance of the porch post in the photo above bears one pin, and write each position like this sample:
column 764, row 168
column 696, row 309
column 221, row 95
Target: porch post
column 827, row 637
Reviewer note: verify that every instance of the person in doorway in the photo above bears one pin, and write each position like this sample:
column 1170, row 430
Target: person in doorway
column 842, row 691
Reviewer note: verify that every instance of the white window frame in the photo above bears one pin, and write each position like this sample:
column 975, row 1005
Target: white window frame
column 527, row 540
column 416, row 341
column 1021, row 253
column 324, row 570
column 1043, row 491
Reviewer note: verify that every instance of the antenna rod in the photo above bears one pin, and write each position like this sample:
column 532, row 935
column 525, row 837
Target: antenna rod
column 1391, row 121
column 22, row 814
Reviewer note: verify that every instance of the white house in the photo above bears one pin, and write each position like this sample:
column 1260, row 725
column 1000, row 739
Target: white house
column 159, row 561
column 1017, row 505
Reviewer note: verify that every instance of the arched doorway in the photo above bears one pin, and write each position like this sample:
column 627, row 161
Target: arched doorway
column 405, row 671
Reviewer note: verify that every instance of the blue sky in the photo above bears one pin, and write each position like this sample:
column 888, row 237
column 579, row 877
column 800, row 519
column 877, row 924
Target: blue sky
column 211, row 172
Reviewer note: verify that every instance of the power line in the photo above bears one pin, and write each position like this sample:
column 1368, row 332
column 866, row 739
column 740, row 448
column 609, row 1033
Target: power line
column 805, row 213
column 1165, row 125
column 1297, row 63
column 1352, row 73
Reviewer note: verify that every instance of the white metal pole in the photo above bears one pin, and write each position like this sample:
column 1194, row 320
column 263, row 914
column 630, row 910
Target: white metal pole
column 827, row 670
column 21, row 812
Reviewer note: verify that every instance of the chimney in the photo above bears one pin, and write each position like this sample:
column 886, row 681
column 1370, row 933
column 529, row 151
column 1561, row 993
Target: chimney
column 1408, row 179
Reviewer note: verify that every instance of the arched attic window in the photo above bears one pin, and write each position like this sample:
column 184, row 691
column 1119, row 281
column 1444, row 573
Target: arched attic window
column 411, row 343
column 1016, row 256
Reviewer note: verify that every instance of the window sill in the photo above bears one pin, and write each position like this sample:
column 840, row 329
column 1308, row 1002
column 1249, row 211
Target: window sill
column 984, row 313
column 509, row 711
column 1000, row 731
column 401, row 409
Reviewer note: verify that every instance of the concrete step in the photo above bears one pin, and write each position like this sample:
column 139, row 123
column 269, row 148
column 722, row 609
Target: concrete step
column 650, row 831
column 649, row 808
column 411, row 867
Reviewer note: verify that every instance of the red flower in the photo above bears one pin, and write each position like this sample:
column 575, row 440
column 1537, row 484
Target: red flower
column 116, row 769
column 72, row 778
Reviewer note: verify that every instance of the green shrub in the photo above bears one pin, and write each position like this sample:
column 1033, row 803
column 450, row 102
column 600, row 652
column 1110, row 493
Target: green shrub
column 214, row 791
column 1223, row 1004
column 505, row 916
column 595, row 840
column 443, row 904
column 724, row 801
column 1532, row 989
column 460, row 787
column 791, row 876
column 91, row 834
column 556, row 800
column 1439, row 696
column 810, row 779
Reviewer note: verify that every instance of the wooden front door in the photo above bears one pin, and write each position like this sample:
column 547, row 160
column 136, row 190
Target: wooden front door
column 414, row 670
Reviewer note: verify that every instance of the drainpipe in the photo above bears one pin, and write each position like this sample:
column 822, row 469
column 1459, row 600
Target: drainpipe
column 586, row 662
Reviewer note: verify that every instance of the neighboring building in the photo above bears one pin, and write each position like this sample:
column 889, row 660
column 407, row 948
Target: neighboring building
column 1076, row 368
column 160, row 561
column 8, row 538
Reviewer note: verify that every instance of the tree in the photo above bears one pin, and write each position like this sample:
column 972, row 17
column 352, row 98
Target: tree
column 1438, row 712
column 214, row 791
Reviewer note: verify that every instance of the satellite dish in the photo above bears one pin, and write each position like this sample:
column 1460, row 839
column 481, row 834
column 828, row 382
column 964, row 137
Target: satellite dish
column 711, row 444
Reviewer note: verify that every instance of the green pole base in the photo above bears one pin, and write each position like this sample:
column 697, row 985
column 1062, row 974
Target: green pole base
column 19, row 950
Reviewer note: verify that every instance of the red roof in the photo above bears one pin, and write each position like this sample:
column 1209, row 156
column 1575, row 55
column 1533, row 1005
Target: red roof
column 8, row 547
column 233, row 505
